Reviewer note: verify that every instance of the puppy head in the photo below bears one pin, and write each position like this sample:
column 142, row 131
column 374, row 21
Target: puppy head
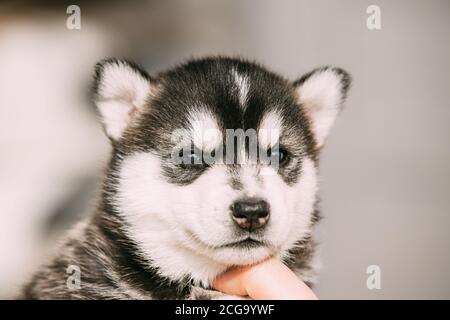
column 214, row 161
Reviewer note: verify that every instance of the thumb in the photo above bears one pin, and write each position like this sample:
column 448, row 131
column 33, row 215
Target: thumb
column 270, row 280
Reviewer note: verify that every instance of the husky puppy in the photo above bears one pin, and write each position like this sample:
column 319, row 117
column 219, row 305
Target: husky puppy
column 168, row 221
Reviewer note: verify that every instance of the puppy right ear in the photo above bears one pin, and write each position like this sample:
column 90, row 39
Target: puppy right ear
column 121, row 90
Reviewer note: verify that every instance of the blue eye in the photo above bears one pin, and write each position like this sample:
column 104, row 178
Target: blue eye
column 194, row 158
column 191, row 157
column 281, row 154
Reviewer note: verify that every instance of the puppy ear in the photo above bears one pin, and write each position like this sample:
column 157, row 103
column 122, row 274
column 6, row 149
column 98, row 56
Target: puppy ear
column 121, row 89
column 321, row 94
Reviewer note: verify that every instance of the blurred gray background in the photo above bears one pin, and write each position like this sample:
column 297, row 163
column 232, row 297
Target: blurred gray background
column 385, row 169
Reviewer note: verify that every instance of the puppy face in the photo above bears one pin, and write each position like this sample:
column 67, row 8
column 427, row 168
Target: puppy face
column 214, row 162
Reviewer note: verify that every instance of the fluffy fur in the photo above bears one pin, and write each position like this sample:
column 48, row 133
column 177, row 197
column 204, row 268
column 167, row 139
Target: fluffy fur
column 163, row 229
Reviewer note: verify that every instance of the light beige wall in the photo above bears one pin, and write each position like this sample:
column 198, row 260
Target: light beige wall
column 385, row 169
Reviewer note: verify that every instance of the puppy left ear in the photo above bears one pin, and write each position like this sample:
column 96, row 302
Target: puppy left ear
column 121, row 90
column 321, row 94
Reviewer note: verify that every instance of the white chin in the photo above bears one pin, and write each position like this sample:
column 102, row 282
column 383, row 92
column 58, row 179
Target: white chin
column 241, row 256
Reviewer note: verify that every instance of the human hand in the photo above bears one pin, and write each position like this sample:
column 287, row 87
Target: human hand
column 268, row 280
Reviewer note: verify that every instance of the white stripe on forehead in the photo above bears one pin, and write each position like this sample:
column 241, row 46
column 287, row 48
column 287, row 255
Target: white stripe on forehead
column 243, row 87
column 269, row 130
column 204, row 130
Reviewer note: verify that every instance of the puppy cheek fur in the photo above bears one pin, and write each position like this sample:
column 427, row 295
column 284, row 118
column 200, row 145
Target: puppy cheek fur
column 177, row 227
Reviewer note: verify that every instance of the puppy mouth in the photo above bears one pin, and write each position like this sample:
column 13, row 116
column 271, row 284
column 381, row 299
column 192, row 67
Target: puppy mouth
column 247, row 243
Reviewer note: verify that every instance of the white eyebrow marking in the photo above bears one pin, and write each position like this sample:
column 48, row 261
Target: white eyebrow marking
column 243, row 87
column 204, row 130
column 270, row 129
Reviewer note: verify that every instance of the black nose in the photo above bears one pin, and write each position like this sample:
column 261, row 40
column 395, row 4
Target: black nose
column 250, row 213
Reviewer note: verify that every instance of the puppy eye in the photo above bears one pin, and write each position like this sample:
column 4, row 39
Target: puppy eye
column 194, row 156
column 279, row 153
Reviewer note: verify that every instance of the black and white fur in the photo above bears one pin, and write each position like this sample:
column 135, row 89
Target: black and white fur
column 163, row 231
